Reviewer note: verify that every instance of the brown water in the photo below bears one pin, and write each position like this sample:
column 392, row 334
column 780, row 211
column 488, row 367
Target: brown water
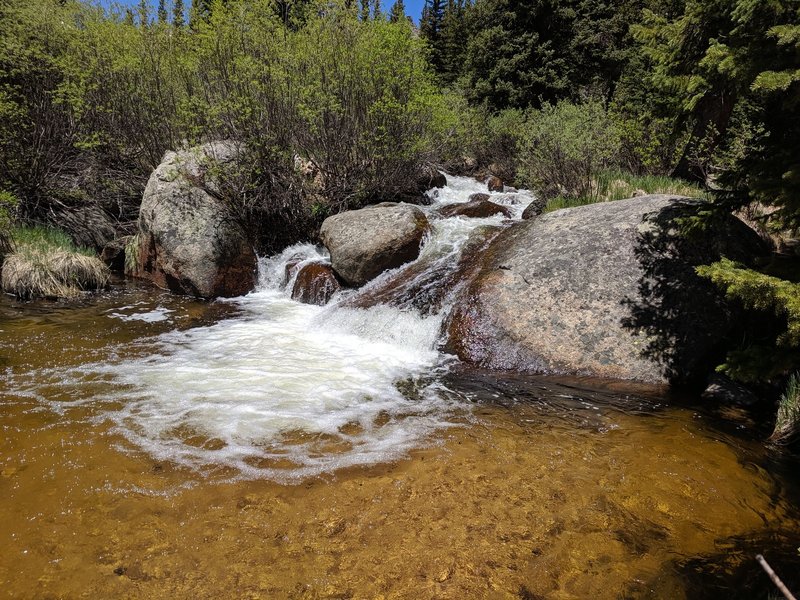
column 544, row 489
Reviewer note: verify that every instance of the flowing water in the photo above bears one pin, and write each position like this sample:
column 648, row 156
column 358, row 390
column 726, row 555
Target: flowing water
column 154, row 446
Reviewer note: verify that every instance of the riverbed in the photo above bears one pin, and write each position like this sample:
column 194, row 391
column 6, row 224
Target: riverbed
column 155, row 446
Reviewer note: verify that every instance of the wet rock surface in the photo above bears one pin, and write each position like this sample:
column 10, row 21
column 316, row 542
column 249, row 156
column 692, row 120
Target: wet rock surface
column 607, row 290
column 315, row 283
column 495, row 184
column 364, row 243
column 427, row 283
column 478, row 208
column 188, row 240
column 113, row 254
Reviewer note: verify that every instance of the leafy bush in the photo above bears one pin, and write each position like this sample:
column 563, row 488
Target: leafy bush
column 92, row 99
column 565, row 147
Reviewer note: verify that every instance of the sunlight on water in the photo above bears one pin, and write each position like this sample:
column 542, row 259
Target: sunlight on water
column 288, row 390
column 155, row 446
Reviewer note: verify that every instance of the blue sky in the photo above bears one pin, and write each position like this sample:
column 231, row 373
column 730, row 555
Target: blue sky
column 413, row 7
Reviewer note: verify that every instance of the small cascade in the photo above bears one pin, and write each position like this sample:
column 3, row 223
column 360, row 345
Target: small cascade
column 287, row 390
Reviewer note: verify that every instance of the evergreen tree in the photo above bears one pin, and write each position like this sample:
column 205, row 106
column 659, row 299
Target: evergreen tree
column 398, row 12
column 430, row 26
column 143, row 13
column 376, row 10
column 451, row 43
column 178, row 18
column 519, row 54
column 734, row 68
column 365, row 10
column 162, row 11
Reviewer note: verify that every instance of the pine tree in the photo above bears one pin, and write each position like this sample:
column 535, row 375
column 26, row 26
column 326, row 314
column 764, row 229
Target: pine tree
column 162, row 11
column 143, row 13
column 376, row 10
column 178, row 18
column 365, row 10
column 451, row 43
column 398, row 12
column 431, row 21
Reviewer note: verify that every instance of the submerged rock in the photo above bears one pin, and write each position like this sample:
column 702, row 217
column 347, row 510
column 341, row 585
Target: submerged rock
column 315, row 283
column 607, row 290
column 364, row 243
column 476, row 209
column 188, row 240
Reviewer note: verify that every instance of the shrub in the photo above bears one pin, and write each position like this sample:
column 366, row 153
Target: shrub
column 565, row 148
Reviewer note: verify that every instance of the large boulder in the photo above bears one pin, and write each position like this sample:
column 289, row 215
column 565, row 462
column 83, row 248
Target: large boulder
column 364, row 243
column 189, row 241
column 607, row 290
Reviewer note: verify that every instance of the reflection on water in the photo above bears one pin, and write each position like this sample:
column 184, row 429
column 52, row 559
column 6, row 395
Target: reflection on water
column 542, row 489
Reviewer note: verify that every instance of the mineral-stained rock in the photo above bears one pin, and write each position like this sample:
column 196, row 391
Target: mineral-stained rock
column 316, row 283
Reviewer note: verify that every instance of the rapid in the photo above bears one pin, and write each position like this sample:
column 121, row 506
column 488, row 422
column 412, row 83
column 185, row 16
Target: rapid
column 155, row 446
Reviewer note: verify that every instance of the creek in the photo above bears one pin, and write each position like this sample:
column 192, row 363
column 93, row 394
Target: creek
column 156, row 446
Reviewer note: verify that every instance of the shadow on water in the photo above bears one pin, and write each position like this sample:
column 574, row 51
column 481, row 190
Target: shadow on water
column 684, row 316
column 594, row 407
column 734, row 573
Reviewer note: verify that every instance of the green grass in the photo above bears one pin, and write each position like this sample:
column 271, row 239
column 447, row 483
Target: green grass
column 618, row 185
column 787, row 422
column 44, row 263
column 44, row 238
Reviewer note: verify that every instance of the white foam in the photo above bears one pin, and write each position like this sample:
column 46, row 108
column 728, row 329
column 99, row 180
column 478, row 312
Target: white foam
column 287, row 390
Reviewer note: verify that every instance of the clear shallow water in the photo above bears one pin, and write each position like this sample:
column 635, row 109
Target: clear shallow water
column 159, row 447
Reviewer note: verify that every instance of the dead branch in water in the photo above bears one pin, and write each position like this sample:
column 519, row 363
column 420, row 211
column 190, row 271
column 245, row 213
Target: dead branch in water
column 775, row 579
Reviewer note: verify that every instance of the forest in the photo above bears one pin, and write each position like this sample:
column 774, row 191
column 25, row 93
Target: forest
column 578, row 100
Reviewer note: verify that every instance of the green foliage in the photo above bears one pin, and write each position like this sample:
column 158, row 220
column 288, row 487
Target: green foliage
column 565, row 148
column 45, row 238
column 760, row 292
column 787, row 421
column 614, row 185
column 90, row 100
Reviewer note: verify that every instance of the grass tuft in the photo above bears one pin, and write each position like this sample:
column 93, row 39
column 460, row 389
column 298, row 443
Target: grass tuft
column 787, row 423
column 609, row 186
column 45, row 263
